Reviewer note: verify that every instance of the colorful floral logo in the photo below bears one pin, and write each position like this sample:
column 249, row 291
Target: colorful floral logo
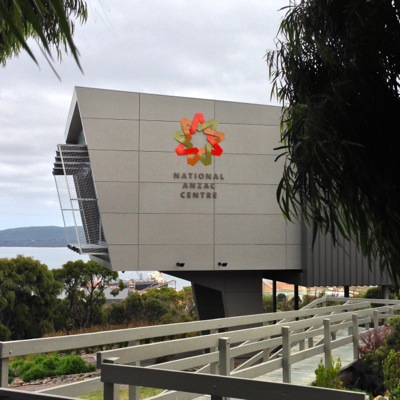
column 184, row 137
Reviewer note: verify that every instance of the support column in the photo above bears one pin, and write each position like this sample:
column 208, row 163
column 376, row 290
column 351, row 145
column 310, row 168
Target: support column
column 296, row 297
column 222, row 294
column 274, row 305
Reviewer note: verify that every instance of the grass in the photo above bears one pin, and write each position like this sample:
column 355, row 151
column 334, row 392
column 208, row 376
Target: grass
column 145, row 392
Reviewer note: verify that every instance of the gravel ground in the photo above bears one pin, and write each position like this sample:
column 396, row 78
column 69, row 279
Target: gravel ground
column 47, row 383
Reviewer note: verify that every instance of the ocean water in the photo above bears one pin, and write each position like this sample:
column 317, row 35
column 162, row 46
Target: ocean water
column 56, row 257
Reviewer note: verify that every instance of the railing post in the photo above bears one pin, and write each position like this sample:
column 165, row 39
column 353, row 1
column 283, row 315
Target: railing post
column 3, row 369
column 391, row 311
column 111, row 391
column 224, row 356
column 355, row 336
column 214, row 365
column 286, row 349
column 327, row 342
column 302, row 343
column 266, row 351
column 375, row 319
column 224, row 350
column 133, row 390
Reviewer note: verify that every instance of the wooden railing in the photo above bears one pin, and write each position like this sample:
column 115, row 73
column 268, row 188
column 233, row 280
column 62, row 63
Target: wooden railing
column 237, row 350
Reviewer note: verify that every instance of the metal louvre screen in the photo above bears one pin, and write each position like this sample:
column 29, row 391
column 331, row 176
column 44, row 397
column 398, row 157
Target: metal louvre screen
column 77, row 196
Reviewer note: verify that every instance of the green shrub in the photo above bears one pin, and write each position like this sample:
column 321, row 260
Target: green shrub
column 328, row 377
column 45, row 365
column 395, row 393
column 391, row 367
column 72, row 364
column 36, row 371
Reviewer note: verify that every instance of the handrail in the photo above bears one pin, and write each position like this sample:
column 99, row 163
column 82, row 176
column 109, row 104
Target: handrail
column 252, row 333
column 253, row 340
column 70, row 342
column 215, row 386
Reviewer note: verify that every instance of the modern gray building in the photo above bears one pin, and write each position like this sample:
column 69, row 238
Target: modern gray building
column 187, row 186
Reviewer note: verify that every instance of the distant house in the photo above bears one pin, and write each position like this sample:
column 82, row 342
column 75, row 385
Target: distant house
column 281, row 287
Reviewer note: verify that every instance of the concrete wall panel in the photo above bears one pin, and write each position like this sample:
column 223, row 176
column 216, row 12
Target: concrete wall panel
column 249, row 114
column 249, row 229
column 120, row 228
column 246, row 199
column 294, row 257
column 242, row 257
column 172, row 200
column 158, row 136
column 176, row 229
column 114, row 166
column 124, row 257
column 160, row 167
column 249, row 169
column 293, row 233
column 111, row 134
column 96, row 103
column 249, row 139
column 165, row 257
column 170, row 108
column 118, row 197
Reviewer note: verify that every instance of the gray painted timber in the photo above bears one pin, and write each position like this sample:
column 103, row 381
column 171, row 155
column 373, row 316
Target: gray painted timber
column 312, row 333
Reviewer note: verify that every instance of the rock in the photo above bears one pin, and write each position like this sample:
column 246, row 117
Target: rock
column 17, row 382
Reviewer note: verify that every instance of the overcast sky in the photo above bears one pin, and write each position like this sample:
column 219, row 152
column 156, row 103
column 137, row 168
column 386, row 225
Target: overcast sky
column 204, row 49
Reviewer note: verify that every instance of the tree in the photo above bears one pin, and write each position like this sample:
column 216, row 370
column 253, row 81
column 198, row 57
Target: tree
column 166, row 305
column 154, row 306
column 28, row 295
column 49, row 22
column 84, row 285
column 336, row 72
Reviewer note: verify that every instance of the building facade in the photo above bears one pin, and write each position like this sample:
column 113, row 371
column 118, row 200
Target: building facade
column 188, row 187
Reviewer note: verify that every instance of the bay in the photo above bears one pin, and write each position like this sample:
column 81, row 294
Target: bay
column 56, row 257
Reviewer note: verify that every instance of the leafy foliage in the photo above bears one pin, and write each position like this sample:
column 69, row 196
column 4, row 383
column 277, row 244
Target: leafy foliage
column 328, row 377
column 369, row 372
column 164, row 305
column 391, row 367
column 49, row 22
column 372, row 340
column 28, row 295
column 336, row 71
column 44, row 365
column 84, row 285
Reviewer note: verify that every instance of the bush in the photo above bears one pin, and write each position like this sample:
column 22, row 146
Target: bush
column 36, row 371
column 44, row 365
column 376, row 371
column 374, row 339
column 391, row 378
column 328, row 377
column 72, row 364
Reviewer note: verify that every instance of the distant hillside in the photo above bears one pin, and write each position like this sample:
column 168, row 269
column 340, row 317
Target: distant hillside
column 35, row 236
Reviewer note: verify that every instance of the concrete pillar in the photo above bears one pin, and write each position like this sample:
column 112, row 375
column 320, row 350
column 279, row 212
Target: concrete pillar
column 222, row 294
column 296, row 297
